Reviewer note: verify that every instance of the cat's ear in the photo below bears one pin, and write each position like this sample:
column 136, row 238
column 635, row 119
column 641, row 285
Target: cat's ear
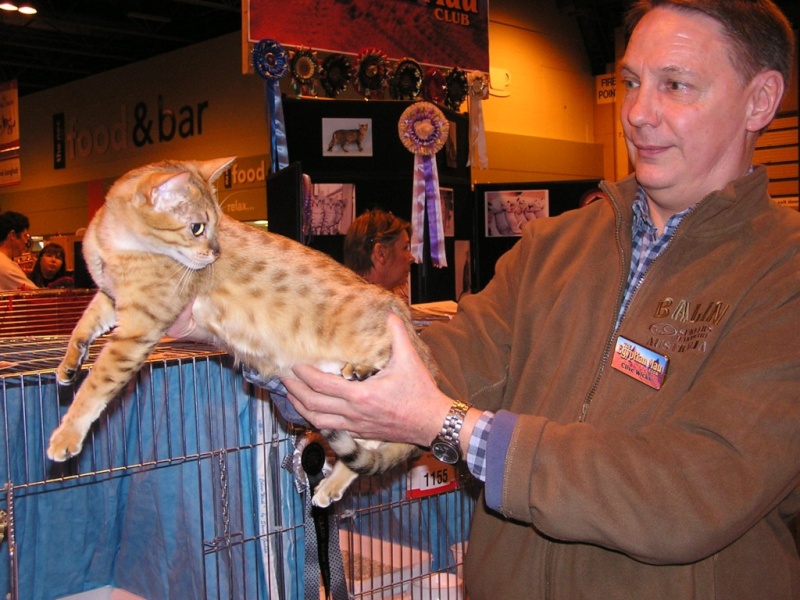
column 212, row 169
column 167, row 193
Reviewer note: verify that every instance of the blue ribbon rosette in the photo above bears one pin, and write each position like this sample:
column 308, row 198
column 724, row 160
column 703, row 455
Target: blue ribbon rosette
column 423, row 130
column 270, row 61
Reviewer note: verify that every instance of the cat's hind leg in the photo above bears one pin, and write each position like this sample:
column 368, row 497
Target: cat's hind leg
column 356, row 372
column 333, row 487
column 98, row 318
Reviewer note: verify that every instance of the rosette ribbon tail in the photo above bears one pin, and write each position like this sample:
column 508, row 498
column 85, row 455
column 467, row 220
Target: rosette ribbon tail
column 479, row 91
column 426, row 201
column 279, row 148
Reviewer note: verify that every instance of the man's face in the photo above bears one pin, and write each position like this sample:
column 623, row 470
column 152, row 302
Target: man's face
column 685, row 109
column 20, row 242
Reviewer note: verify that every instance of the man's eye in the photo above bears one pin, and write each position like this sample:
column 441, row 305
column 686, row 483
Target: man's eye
column 197, row 229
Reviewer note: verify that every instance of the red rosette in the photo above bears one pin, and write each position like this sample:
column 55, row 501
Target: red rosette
column 434, row 86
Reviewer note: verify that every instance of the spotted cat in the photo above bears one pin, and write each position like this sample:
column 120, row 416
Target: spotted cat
column 161, row 240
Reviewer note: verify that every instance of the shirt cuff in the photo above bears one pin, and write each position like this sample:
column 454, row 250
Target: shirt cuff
column 499, row 440
column 476, row 450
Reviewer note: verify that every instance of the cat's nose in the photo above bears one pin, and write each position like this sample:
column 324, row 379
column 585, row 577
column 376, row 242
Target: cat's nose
column 214, row 247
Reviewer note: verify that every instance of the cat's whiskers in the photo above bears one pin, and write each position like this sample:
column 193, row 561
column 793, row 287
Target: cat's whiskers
column 182, row 274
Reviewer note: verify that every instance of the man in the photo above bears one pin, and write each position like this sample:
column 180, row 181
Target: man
column 634, row 365
column 378, row 247
column 14, row 241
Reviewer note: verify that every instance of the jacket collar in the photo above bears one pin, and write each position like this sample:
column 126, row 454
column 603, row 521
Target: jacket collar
column 719, row 211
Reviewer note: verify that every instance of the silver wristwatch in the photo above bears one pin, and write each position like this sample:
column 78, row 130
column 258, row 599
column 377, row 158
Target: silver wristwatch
column 445, row 446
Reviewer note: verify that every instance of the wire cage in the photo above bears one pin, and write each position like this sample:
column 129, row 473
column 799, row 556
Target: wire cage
column 42, row 312
column 180, row 491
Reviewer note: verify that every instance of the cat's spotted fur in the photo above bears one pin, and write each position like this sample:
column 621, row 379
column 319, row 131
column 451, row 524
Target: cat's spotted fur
column 160, row 241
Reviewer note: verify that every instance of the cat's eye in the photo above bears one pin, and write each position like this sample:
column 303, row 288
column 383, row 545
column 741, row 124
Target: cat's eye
column 197, row 229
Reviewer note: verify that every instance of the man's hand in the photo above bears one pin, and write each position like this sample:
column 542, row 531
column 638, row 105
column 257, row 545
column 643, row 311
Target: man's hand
column 186, row 328
column 402, row 403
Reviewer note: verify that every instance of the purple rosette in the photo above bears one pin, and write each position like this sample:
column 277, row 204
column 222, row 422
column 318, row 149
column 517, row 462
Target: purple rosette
column 423, row 130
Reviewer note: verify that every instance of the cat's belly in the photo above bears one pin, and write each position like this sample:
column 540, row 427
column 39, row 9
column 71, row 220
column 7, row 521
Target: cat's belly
column 253, row 345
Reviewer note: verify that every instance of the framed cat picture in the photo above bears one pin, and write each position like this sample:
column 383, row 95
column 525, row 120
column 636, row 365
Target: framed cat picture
column 347, row 138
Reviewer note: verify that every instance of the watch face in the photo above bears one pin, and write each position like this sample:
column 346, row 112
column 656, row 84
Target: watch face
column 446, row 452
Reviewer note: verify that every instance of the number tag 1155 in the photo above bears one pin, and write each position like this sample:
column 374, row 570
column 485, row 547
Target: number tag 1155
column 428, row 476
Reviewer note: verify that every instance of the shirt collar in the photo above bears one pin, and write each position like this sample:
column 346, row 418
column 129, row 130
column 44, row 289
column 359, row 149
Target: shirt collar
column 641, row 214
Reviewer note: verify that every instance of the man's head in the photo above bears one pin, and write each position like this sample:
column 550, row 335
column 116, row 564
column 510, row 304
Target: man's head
column 14, row 236
column 759, row 34
column 702, row 79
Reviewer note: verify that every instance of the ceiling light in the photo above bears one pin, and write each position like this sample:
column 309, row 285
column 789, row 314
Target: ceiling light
column 8, row 6
column 27, row 9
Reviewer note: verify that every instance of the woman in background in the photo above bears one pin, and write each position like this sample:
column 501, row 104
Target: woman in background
column 50, row 270
column 378, row 247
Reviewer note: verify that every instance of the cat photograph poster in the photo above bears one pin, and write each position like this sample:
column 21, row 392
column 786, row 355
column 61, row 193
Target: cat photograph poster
column 333, row 207
column 347, row 137
column 508, row 210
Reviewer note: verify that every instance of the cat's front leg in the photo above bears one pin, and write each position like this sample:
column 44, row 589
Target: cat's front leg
column 121, row 357
column 98, row 318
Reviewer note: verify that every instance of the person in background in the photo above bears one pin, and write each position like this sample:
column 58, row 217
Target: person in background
column 378, row 247
column 50, row 270
column 15, row 239
column 627, row 386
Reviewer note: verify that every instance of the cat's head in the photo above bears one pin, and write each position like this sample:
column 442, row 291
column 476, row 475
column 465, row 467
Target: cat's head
column 170, row 208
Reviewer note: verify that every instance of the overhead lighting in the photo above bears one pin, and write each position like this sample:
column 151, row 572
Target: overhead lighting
column 25, row 9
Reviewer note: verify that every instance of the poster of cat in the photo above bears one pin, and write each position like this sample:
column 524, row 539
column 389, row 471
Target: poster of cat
column 347, row 137
column 507, row 211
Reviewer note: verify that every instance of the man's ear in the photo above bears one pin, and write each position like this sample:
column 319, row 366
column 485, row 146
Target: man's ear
column 766, row 94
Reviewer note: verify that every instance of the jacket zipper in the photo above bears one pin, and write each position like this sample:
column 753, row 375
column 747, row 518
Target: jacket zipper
column 620, row 291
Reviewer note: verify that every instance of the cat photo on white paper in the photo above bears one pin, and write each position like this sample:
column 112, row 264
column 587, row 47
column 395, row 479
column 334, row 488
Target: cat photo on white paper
column 507, row 211
column 333, row 207
column 347, row 137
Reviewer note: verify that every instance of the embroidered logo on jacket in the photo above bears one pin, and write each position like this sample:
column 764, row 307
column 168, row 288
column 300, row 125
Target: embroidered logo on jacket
column 686, row 325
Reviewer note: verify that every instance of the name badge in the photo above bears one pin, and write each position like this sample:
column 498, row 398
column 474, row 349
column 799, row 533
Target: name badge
column 634, row 360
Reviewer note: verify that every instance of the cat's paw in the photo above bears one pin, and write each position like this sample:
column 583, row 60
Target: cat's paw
column 65, row 443
column 353, row 372
column 326, row 494
column 65, row 375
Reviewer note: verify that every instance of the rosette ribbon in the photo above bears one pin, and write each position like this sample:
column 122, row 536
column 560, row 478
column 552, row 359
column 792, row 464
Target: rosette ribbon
column 304, row 68
column 478, row 92
column 371, row 72
column 270, row 61
column 423, row 130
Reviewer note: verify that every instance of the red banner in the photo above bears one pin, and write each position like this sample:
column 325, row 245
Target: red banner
column 445, row 33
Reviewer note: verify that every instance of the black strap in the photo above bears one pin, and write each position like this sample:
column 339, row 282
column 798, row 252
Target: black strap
column 325, row 539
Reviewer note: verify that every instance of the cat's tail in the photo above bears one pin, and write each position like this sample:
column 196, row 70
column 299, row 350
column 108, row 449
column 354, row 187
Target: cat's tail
column 367, row 457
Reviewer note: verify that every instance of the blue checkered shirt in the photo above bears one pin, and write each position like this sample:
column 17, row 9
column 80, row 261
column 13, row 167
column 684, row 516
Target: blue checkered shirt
column 647, row 246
